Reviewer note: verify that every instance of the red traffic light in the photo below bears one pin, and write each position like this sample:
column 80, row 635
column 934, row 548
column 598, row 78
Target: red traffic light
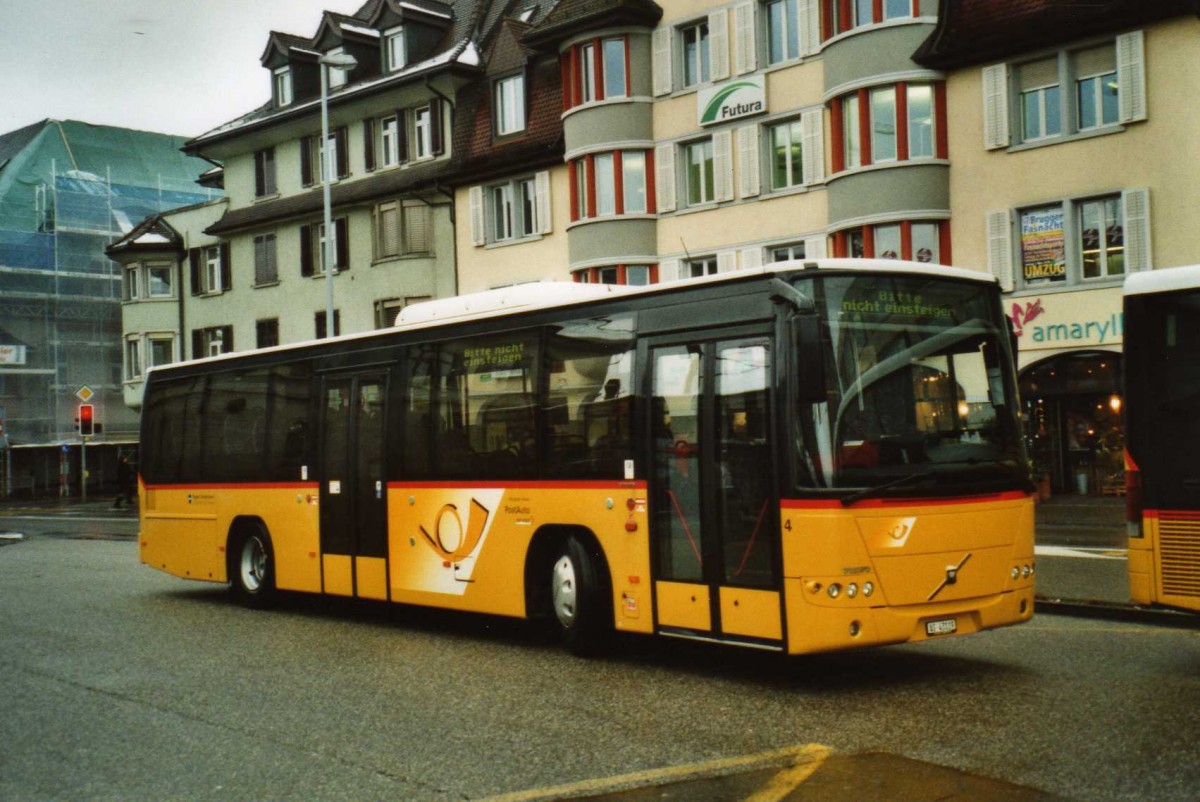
column 87, row 420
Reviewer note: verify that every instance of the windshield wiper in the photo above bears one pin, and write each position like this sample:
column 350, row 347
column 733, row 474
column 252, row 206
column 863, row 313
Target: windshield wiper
column 867, row 492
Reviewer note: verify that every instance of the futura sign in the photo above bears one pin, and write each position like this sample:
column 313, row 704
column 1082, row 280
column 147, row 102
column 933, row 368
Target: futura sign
column 741, row 97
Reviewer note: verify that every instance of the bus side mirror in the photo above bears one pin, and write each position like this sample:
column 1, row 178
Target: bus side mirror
column 810, row 363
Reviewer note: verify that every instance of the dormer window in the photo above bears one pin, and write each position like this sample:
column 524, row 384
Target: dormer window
column 283, row 86
column 337, row 77
column 395, row 53
column 510, row 104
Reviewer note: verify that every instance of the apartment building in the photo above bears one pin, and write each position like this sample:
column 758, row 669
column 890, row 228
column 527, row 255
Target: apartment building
column 1074, row 163
column 485, row 144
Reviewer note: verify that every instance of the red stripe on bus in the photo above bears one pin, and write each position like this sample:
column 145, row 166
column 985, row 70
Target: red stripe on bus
column 240, row 486
column 582, row 484
column 1186, row 515
column 870, row 503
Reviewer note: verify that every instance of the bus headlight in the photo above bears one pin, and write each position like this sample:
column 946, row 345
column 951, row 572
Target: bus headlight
column 835, row 590
column 852, row 590
column 868, row 588
column 1026, row 572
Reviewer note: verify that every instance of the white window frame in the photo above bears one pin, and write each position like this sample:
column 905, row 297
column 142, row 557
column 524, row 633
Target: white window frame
column 604, row 165
column 614, row 71
column 706, row 188
column 795, row 130
column 211, row 256
column 1003, row 119
column 509, row 98
column 389, row 141
column 695, row 68
column 423, row 132
column 133, row 358
column 879, row 126
column 587, row 73
column 168, row 270
column 395, row 49
column 169, row 339
column 633, row 183
column 1097, row 99
column 1004, row 241
column 337, row 78
column 282, row 78
column 133, row 281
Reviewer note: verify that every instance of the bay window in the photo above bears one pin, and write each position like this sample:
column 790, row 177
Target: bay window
column 595, row 70
column 891, row 123
column 609, row 183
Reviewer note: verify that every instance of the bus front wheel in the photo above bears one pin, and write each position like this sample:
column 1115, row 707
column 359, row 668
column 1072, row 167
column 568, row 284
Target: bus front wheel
column 252, row 568
column 579, row 598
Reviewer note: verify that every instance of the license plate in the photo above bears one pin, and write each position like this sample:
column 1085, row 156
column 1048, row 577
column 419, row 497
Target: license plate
column 945, row 627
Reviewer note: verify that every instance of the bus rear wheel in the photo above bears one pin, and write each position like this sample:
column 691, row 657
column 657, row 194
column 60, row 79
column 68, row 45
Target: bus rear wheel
column 579, row 598
column 252, row 568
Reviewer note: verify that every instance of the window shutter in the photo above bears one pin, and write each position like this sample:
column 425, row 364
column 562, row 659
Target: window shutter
column 542, row 189
column 198, row 344
column 744, row 57
column 306, row 161
column 342, row 244
column 369, row 144
column 435, row 126
column 401, row 136
column 749, row 183
column 1131, row 77
column 814, row 248
column 661, row 57
column 306, row 250
column 723, row 165
column 194, row 265
column 727, row 261
column 1135, row 207
column 751, row 258
column 718, row 45
column 341, row 146
column 227, row 339
column 226, row 267
column 995, row 106
column 387, row 229
column 668, row 270
column 478, row 226
column 809, row 12
column 416, row 229
column 812, row 130
column 999, row 248
column 664, row 177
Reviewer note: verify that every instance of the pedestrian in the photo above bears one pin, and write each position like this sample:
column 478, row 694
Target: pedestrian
column 124, row 482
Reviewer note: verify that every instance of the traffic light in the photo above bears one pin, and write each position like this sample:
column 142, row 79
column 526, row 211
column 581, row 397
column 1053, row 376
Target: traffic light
column 87, row 420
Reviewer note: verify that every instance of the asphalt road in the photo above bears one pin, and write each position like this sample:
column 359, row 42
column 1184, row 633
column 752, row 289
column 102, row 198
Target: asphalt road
column 123, row 683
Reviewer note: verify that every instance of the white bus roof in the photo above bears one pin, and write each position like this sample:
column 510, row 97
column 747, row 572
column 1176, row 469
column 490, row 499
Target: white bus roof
column 549, row 294
column 546, row 294
column 1164, row 280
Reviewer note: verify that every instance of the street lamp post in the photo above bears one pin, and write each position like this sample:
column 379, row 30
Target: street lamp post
column 335, row 61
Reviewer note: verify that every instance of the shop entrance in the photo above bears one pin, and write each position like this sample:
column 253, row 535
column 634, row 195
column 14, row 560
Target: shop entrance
column 1073, row 422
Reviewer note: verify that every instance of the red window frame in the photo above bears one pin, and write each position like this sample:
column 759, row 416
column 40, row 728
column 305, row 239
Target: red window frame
column 572, row 79
column 863, row 98
column 587, row 163
column 840, row 240
column 591, row 275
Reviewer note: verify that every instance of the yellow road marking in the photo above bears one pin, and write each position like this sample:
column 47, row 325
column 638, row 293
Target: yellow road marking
column 808, row 758
column 793, row 777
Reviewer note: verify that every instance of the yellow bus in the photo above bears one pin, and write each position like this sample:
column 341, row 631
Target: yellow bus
column 805, row 457
column 1162, row 426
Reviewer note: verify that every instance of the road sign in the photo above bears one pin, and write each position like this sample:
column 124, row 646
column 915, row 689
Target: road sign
column 85, row 393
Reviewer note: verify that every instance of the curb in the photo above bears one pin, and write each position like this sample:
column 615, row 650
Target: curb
column 1110, row 611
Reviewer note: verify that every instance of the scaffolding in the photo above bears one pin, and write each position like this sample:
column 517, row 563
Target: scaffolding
column 60, row 295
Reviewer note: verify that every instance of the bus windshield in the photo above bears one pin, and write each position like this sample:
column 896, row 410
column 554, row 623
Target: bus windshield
column 919, row 396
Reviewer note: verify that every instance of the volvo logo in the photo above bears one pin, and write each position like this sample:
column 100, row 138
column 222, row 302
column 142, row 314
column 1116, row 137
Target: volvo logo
column 951, row 577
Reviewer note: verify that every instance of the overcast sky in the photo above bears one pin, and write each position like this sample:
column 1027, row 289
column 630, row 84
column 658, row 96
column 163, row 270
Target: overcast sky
column 171, row 66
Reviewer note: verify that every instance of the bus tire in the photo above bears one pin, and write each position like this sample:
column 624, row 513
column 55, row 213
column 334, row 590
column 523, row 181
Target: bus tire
column 252, row 567
column 579, row 598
